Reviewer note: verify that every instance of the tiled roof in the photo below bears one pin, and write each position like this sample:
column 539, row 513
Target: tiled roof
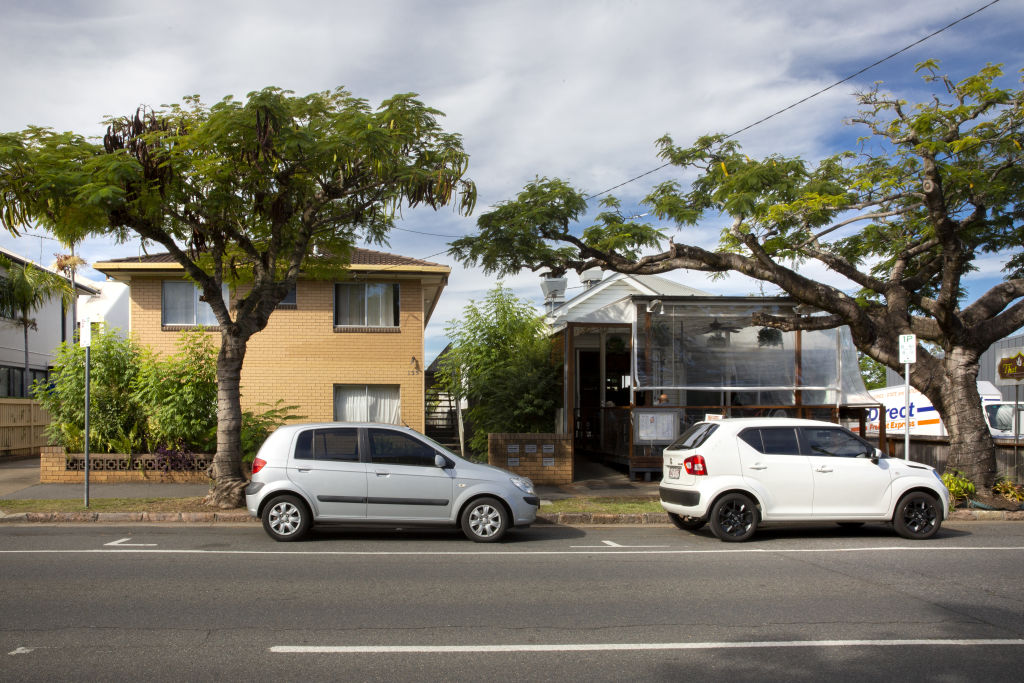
column 360, row 257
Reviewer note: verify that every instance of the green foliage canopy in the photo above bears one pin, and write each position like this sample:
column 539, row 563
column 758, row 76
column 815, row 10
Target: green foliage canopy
column 500, row 360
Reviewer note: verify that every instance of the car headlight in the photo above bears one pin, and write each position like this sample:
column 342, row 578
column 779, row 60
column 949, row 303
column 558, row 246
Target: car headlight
column 524, row 485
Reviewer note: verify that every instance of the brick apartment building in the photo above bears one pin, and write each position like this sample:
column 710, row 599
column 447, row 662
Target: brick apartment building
column 350, row 348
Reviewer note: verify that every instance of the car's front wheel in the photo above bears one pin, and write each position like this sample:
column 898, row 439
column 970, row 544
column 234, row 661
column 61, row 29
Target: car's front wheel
column 687, row 523
column 286, row 518
column 484, row 520
column 918, row 516
column 734, row 517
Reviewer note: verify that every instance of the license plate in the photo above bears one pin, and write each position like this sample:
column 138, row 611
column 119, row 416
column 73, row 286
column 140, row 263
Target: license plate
column 673, row 471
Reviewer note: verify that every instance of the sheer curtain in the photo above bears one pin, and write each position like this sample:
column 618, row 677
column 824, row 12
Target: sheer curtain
column 367, row 403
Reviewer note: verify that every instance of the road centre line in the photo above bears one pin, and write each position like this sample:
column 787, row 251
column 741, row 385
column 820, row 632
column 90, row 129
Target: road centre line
column 598, row 550
column 618, row 647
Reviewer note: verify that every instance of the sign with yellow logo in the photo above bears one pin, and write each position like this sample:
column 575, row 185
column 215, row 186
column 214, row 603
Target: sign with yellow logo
column 1010, row 370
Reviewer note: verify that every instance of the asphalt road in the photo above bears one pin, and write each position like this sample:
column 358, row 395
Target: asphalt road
column 223, row 603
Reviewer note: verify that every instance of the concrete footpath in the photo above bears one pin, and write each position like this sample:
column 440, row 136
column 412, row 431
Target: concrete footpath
column 19, row 480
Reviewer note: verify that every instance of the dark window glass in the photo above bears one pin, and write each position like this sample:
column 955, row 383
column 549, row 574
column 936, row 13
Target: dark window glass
column 694, row 436
column 328, row 444
column 336, row 444
column 835, row 442
column 779, row 441
column 304, row 446
column 395, row 448
column 289, row 299
column 753, row 438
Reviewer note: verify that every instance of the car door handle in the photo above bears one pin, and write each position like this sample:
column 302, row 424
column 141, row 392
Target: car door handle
column 823, row 468
column 382, row 474
column 304, row 469
column 758, row 466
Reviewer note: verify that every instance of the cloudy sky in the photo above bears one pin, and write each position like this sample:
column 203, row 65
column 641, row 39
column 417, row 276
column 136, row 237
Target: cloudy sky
column 574, row 89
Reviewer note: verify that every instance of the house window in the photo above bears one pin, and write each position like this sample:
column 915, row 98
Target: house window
column 11, row 384
column 367, row 403
column 289, row 300
column 181, row 304
column 365, row 304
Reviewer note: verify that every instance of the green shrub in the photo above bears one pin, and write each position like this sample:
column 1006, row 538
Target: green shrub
column 178, row 395
column 140, row 400
column 116, row 422
column 1007, row 489
column 960, row 488
column 256, row 427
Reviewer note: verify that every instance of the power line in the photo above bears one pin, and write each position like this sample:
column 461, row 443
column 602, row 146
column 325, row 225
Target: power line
column 809, row 97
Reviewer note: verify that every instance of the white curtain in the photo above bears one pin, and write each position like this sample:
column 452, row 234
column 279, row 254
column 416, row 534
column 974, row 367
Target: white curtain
column 367, row 403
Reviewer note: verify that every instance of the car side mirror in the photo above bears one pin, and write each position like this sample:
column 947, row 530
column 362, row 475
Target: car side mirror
column 877, row 455
column 441, row 461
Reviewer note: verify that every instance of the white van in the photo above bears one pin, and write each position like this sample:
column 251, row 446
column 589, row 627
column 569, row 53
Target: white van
column 924, row 418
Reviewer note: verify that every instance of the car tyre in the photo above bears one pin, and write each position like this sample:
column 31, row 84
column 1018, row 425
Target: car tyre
column 286, row 518
column 484, row 520
column 918, row 516
column 734, row 518
column 687, row 523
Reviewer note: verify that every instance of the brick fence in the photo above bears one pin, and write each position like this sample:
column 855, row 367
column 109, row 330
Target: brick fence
column 544, row 458
column 57, row 467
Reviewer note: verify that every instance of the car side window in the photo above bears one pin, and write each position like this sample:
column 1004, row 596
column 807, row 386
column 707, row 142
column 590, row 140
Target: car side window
column 337, row 444
column 779, row 441
column 752, row 437
column 835, row 442
column 394, row 448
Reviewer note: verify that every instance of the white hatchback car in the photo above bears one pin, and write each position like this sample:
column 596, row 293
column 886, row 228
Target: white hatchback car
column 735, row 474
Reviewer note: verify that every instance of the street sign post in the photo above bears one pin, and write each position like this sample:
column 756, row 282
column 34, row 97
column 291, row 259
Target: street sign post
column 1010, row 370
column 85, row 339
column 908, row 355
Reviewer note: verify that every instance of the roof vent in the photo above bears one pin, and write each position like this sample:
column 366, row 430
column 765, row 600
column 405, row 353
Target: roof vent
column 591, row 277
column 554, row 291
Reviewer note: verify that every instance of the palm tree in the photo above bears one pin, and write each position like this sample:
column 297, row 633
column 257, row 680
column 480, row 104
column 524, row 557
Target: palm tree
column 24, row 289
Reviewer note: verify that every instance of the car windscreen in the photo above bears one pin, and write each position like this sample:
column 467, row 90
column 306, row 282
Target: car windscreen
column 694, row 436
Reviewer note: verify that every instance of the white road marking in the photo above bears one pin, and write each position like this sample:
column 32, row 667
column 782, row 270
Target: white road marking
column 612, row 647
column 613, row 544
column 122, row 543
column 21, row 651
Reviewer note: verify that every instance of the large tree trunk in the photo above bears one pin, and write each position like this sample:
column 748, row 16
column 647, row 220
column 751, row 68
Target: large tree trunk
column 971, row 449
column 228, row 482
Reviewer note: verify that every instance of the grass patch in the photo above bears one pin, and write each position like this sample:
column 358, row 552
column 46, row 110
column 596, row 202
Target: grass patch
column 614, row 506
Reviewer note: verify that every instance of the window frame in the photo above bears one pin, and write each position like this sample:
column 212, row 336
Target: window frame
column 426, row 461
column 197, row 292
column 365, row 325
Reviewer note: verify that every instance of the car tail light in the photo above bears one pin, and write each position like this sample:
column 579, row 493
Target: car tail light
column 257, row 464
column 696, row 466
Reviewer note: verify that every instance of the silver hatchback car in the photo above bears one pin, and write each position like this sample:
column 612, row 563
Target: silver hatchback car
column 381, row 474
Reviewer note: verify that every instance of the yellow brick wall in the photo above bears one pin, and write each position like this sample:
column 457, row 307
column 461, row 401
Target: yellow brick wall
column 299, row 357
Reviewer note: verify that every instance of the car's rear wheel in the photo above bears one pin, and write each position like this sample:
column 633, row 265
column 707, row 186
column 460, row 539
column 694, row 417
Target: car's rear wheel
column 687, row 523
column 286, row 518
column 918, row 516
column 484, row 520
column 734, row 518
